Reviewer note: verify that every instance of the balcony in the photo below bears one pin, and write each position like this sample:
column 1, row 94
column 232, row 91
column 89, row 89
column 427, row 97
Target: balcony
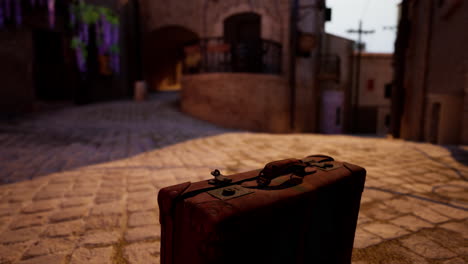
column 216, row 55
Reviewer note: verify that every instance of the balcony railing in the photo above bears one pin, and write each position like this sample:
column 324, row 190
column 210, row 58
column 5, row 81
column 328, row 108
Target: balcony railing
column 216, row 55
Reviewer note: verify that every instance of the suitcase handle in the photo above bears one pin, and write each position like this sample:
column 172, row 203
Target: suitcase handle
column 272, row 170
column 278, row 168
column 296, row 167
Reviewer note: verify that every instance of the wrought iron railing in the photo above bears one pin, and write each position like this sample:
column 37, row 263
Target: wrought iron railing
column 217, row 55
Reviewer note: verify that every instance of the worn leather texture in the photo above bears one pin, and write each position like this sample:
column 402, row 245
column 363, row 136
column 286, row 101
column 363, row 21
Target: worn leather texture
column 309, row 219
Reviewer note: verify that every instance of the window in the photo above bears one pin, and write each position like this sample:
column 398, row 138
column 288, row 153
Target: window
column 328, row 14
column 338, row 116
column 370, row 85
column 388, row 90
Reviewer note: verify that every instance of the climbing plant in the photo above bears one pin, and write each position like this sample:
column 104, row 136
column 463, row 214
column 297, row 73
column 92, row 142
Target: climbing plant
column 82, row 16
column 106, row 22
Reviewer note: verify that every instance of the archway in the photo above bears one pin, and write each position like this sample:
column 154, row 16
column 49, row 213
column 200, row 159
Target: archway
column 243, row 32
column 164, row 55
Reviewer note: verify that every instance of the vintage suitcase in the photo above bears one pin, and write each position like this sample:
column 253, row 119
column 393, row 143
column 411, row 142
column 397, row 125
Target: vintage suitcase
column 292, row 211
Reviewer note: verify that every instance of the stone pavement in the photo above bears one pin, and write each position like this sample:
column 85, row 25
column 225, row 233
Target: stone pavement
column 80, row 184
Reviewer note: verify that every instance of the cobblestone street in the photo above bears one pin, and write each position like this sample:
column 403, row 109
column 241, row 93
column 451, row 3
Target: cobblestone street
column 79, row 185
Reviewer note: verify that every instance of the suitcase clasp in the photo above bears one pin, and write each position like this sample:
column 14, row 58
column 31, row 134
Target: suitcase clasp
column 230, row 192
column 219, row 178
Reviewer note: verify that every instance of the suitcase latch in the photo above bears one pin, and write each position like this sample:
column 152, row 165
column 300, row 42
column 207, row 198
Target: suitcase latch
column 219, row 178
column 229, row 192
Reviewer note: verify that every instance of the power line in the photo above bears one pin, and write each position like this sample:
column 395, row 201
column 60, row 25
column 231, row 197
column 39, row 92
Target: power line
column 364, row 10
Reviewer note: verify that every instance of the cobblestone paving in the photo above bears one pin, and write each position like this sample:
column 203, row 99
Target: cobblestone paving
column 80, row 185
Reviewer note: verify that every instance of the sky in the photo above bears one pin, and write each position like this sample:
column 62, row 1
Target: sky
column 375, row 15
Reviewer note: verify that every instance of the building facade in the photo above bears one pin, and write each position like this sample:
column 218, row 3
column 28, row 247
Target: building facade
column 39, row 66
column 430, row 101
column 242, row 68
column 248, row 64
column 375, row 89
column 336, row 84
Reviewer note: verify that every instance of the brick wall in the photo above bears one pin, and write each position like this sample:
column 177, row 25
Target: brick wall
column 238, row 100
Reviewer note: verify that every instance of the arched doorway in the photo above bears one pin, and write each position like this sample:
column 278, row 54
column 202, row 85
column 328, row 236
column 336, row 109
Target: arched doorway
column 243, row 32
column 164, row 56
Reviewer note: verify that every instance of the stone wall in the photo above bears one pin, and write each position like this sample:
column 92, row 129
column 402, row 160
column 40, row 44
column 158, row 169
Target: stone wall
column 376, row 68
column 448, row 57
column 307, row 90
column 447, row 66
column 447, row 126
column 205, row 18
column 436, row 64
column 247, row 101
column 464, row 132
column 414, row 74
column 16, row 71
column 159, row 13
column 343, row 48
column 238, row 100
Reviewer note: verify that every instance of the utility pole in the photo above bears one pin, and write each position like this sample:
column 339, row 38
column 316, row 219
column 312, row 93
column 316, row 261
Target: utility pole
column 360, row 46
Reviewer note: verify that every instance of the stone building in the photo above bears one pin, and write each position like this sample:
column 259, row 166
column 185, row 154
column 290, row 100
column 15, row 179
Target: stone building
column 38, row 65
column 241, row 67
column 344, row 108
column 238, row 63
column 336, row 84
column 375, row 89
column 430, row 101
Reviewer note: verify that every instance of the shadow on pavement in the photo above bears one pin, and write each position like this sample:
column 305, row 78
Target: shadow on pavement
column 459, row 154
column 53, row 141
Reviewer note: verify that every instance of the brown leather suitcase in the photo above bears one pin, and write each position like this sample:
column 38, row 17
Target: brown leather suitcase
column 292, row 211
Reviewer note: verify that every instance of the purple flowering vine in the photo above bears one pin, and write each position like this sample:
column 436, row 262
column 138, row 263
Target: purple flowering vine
column 18, row 17
column 51, row 9
column 2, row 17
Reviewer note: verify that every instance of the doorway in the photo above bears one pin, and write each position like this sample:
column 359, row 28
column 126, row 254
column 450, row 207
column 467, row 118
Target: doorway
column 331, row 121
column 49, row 67
column 243, row 33
column 164, row 55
